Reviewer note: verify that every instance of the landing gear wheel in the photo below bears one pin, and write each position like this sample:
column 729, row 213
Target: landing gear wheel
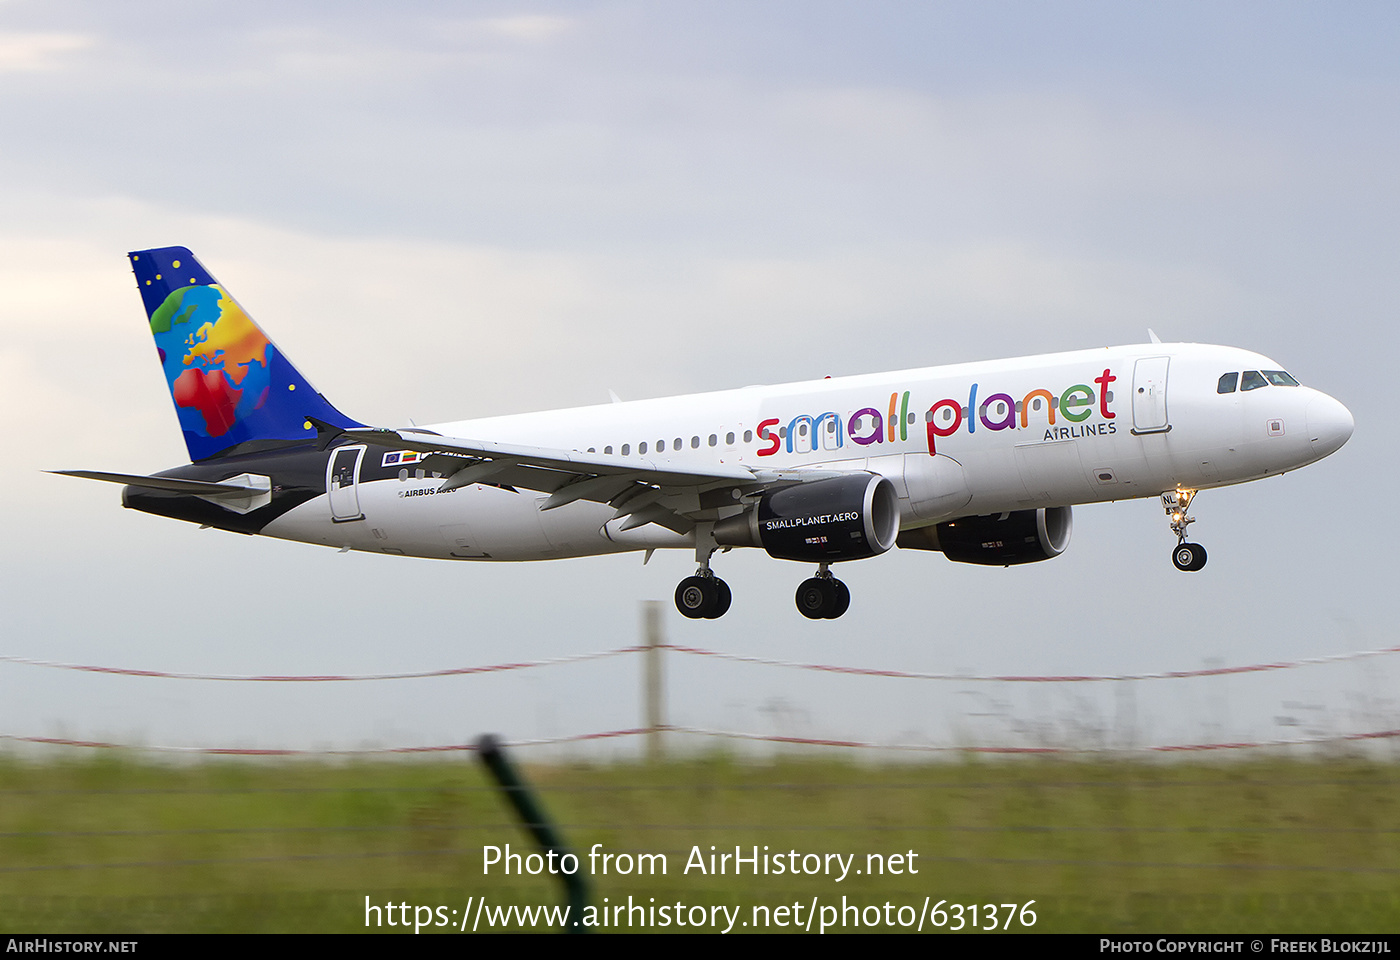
column 823, row 598
column 698, row 598
column 722, row 599
column 703, row 598
column 815, row 596
column 843, row 600
column 1189, row 556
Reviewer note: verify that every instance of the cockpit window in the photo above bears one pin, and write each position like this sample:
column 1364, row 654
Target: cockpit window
column 1279, row 379
column 1228, row 382
column 1253, row 380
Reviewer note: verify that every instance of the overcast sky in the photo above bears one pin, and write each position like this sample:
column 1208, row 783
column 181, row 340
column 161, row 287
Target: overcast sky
column 446, row 210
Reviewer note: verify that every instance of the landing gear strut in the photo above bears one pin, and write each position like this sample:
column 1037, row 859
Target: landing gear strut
column 1186, row 556
column 703, row 596
column 823, row 597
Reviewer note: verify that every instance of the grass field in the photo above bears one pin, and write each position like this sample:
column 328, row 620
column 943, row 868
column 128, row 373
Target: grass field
column 116, row 843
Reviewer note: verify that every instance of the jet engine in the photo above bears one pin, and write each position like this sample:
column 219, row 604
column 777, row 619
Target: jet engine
column 1001, row 539
column 819, row 521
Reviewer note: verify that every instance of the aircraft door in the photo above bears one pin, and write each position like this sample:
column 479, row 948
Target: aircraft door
column 1150, row 395
column 342, row 483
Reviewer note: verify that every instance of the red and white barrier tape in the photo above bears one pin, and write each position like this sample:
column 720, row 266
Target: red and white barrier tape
column 929, row 748
column 718, row 655
column 291, row 752
column 719, row 734
column 322, row 678
column 1005, row 678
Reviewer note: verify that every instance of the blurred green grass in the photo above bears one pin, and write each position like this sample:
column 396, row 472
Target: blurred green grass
column 115, row 842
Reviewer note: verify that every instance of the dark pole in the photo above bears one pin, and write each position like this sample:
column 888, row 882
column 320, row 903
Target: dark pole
column 527, row 807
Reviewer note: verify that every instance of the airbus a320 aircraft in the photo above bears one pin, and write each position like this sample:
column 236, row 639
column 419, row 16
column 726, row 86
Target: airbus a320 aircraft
column 979, row 461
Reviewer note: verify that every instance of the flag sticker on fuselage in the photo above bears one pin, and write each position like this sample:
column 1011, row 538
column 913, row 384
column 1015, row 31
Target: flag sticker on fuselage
column 398, row 458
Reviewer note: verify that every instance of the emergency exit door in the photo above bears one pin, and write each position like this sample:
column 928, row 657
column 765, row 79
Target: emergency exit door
column 342, row 483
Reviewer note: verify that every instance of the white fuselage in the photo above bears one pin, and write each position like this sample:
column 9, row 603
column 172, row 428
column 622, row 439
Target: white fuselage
column 961, row 440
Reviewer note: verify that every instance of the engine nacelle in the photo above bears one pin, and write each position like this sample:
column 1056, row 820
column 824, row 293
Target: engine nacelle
column 1001, row 539
column 820, row 521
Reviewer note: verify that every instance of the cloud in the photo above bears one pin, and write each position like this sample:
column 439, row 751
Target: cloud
column 20, row 52
column 531, row 28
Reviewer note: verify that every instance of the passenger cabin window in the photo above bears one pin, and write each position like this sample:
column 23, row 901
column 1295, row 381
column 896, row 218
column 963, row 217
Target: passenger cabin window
column 1279, row 379
column 626, row 449
column 1253, row 380
column 694, row 443
column 608, row 449
column 1228, row 383
column 642, row 447
column 729, row 439
column 748, row 436
column 713, row 439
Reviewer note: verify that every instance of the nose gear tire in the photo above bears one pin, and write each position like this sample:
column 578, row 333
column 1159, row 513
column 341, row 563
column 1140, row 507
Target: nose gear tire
column 1189, row 557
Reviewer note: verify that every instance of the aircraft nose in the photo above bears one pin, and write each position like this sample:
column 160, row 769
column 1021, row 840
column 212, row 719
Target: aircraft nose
column 1329, row 424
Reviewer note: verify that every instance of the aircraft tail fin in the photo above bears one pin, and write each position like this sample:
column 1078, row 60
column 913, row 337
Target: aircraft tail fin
column 232, row 388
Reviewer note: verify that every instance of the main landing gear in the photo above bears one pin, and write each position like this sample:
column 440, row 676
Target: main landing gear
column 707, row 597
column 823, row 597
column 1186, row 556
column 703, row 596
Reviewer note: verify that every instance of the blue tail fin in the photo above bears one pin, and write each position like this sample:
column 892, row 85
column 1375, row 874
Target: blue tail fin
column 230, row 383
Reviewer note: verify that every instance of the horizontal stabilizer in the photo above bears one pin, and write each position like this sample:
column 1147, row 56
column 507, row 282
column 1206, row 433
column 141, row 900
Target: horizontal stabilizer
column 240, row 494
column 199, row 487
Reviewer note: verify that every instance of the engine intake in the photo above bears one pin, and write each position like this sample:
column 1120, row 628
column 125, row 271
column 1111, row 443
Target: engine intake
column 1001, row 539
column 820, row 521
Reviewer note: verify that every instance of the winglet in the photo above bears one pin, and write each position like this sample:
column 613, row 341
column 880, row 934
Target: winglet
column 1153, row 336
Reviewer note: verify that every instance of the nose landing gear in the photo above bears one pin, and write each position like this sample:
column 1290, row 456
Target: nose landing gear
column 823, row 597
column 1186, row 557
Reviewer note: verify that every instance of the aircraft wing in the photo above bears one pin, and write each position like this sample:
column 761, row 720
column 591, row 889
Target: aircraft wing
column 644, row 491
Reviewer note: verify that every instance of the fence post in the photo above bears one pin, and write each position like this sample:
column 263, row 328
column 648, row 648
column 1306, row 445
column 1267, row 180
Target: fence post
column 653, row 683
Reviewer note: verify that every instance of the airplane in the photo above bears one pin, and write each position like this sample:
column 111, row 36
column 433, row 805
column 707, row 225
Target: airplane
column 979, row 461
